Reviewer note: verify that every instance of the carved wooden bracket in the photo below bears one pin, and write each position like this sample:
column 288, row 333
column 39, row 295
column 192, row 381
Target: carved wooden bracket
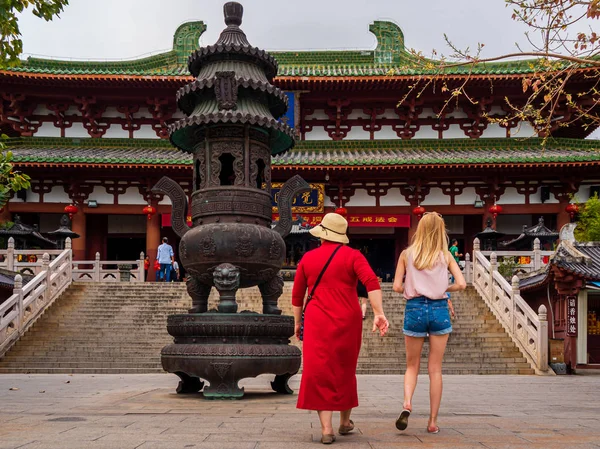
column 115, row 190
column 415, row 193
column 377, row 191
column 453, row 190
column 408, row 113
column 333, row 192
column 527, row 189
column 162, row 110
column 566, row 283
column 491, row 191
column 61, row 120
column 567, row 188
column 41, row 188
column 77, row 192
column 92, row 114
column 372, row 126
column 129, row 124
column 18, row 113
column 338, row 112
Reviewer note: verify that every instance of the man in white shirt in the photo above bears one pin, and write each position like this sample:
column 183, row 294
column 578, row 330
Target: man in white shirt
column 165, row 258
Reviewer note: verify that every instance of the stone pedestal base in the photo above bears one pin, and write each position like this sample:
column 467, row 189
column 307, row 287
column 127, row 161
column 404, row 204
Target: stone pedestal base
column 225, row 348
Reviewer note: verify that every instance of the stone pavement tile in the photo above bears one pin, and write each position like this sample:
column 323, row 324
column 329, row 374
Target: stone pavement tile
column 176, row 445
column 315, row 445
column 419, row 445
column 282, row 438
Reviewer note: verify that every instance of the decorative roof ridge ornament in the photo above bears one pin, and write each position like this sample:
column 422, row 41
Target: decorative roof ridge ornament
column 233, row 34
column 567, row 252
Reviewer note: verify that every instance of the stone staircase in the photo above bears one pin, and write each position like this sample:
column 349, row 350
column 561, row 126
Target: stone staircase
column 121, row 328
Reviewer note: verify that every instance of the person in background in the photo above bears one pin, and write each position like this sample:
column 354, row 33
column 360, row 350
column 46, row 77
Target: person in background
column 156, row 270
column 146, row 267
column 426, row 263
column 454, row 251
column 165, row 257
column 175, row 271
column 362, row 298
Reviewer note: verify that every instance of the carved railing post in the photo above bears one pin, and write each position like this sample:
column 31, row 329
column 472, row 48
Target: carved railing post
column 70, row 258
column 18, row 290
column 141, row 271
column 537, row 254
column 516, row 291
column 10, row 254
column 468, row 272
column 542, row 350
column 493, row 268
column 97, row 268
column 46, row 270
column 476, row 249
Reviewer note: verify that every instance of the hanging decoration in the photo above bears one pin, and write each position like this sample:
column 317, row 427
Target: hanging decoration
column 71, row 209
column 572, row 209
column 495, row 209
column 149, row 210
column 342, row 211
column 419, row 211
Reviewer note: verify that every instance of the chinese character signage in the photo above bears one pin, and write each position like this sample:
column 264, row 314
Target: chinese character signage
column 572, row 316
column 363, row 220
column 309, row 202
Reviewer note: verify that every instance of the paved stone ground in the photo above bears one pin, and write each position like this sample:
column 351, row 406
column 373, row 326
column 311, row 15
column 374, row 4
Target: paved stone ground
column 143, row 412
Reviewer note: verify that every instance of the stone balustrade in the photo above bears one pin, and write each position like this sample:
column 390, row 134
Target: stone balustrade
column 29, row 301
column 528, row 329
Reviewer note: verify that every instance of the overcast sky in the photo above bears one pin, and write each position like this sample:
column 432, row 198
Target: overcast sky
column 124, row 29
column 127, row 29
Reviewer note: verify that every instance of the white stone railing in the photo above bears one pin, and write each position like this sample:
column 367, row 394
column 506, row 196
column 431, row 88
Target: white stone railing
column 109, row 270
column 9, row 258
column 529, row 330
column 29, row 301
column 528, row 260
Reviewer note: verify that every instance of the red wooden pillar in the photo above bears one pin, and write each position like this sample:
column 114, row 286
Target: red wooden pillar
column 79, row 226
column 562, row 218
column 414, row 222
column 152, row 242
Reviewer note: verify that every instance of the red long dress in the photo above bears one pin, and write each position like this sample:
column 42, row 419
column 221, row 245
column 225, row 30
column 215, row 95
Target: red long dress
column 332, row 326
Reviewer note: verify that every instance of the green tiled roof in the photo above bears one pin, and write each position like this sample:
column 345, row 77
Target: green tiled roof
column 363, row 153
column 389, row 57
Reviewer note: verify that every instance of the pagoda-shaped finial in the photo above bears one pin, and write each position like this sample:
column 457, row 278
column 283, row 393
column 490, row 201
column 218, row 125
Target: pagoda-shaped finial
column 233, row 12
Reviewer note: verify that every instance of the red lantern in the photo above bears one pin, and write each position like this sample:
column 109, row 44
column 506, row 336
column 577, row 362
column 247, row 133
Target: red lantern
column 418, row 211
column 495, row 210
column 149, row 210
column 342, row 211
column 572, row 209
column 71, row 209
column 188, row 220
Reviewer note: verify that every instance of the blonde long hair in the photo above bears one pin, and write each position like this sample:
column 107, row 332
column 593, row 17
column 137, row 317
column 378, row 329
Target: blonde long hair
column 431, row 238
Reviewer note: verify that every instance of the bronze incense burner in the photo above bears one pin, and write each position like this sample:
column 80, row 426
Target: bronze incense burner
column 231, row 128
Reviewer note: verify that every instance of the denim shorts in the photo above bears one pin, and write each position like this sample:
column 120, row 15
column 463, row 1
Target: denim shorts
column 424, row 316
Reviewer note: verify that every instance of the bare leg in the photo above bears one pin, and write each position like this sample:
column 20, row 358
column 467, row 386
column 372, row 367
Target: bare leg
column 437, row 347
column 345, row 417
column 363, row 307
column 414, row 345
column 326, row 422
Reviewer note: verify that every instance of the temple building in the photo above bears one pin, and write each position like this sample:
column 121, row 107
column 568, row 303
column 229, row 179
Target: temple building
column 93, row 136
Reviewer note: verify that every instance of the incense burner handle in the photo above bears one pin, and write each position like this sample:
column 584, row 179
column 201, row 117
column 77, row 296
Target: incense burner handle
column 178, row 199
column 293, row 187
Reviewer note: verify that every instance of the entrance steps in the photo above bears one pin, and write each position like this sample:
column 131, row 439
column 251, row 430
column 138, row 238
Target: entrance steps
column 108, row 328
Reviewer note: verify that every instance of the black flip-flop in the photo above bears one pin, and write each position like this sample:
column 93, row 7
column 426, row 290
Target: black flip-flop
column 402, row 421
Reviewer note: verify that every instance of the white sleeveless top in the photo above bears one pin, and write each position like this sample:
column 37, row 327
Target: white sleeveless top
column 431, row 283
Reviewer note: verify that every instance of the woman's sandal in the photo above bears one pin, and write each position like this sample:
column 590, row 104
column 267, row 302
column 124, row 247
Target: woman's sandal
column 402, row 421
column 436, row 429
column 345, row 430
column 328, row 439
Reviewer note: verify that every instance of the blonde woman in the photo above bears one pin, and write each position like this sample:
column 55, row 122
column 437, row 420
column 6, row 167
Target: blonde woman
column 426, row 263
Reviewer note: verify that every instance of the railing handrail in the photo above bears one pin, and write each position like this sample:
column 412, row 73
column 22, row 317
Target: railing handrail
column 29, row 301
column 530, row 253
column 527, row 329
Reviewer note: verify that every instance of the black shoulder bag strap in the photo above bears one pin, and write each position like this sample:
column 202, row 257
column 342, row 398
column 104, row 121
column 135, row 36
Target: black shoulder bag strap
column 312, row 292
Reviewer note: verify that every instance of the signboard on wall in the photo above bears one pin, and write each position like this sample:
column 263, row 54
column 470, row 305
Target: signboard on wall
column 309, row 202
column 362, row 220
column 572, row 316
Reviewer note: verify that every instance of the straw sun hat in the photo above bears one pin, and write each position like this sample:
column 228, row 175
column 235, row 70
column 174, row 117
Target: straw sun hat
column 332, row 228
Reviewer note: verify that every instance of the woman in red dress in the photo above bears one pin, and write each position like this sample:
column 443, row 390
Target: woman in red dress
column 332, row 332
